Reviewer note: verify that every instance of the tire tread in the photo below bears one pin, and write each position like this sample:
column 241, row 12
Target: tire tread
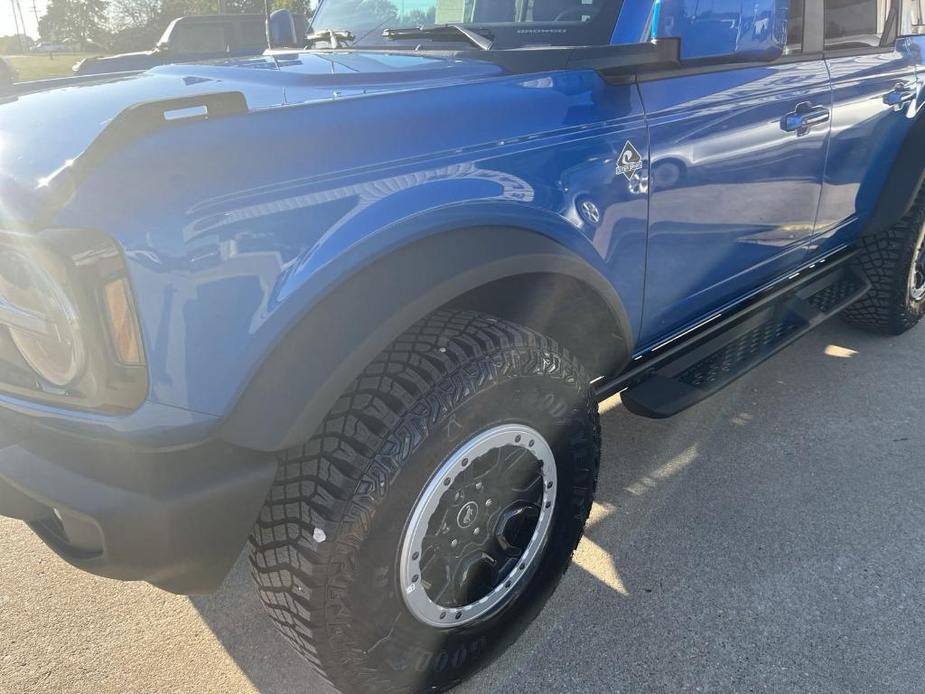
column 885, row 259
column 320, row 485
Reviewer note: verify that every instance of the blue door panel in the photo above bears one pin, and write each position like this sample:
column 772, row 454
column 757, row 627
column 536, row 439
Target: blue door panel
column 866, row 136
column 733, row 195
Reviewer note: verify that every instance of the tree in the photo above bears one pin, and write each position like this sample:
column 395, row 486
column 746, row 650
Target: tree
column 82, row 21
column 15, row 44
column 134, row 14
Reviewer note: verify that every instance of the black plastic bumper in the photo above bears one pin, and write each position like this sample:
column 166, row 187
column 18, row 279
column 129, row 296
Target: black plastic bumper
column 177, row 519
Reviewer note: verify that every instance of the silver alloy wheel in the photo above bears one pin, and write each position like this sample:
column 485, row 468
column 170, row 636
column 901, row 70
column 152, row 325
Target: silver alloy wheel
column 917, row 278
column 478, row 519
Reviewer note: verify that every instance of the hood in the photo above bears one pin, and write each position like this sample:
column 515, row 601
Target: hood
column 42, row 130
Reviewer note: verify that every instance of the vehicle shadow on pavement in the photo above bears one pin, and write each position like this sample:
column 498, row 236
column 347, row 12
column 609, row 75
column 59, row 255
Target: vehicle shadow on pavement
column 746, row 545
column 237, row 618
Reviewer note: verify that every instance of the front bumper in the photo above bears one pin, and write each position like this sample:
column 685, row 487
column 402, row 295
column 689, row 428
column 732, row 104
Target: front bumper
column 177, row 518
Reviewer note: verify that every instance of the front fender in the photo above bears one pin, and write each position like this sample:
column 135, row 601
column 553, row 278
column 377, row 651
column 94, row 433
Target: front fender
column 303, row 377
column 234, row 227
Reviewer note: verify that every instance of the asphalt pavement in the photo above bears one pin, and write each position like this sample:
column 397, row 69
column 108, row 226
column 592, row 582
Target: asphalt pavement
column 771, row 539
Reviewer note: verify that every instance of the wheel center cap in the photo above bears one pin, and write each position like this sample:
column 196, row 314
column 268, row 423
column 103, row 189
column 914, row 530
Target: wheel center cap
column 467, row 515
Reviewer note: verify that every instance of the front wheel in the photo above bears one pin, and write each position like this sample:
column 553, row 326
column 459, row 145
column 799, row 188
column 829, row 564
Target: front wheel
column 423, row 527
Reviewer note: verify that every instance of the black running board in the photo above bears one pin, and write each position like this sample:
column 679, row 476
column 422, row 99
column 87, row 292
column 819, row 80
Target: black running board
column 689, row 372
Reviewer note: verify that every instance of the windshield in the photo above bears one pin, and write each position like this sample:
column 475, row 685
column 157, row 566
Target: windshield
column 512, row 23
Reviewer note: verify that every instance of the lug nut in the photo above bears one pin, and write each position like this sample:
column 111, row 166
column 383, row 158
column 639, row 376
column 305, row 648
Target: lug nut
column 454, row 543
column 478, row 486
column 488, row 503
column 476, row 531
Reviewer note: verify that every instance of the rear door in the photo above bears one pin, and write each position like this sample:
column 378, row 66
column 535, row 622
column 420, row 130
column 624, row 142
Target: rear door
column 874, row 92
column 737, row 161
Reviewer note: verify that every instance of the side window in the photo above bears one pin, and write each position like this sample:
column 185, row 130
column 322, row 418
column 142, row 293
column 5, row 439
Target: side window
column 199, row 37
column 253, row 35
column 795, row 28
column 855, row 23
column 913, row 17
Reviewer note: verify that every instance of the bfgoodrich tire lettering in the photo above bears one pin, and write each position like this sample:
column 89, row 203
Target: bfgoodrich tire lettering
column 325, row 549
column 889, row 260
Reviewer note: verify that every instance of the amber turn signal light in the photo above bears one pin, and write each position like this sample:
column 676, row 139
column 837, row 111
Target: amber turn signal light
column 123, row 325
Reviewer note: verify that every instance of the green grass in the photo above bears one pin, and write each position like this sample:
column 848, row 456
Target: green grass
column 41, row 67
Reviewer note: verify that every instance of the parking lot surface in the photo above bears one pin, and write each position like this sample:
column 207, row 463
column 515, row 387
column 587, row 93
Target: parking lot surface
column 771, row 539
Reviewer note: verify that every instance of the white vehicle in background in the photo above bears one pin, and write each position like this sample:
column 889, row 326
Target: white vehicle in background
column 52, row 47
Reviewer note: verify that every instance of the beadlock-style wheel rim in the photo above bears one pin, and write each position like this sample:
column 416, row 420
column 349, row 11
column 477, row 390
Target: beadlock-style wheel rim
column 479, row 528
column 917, row 281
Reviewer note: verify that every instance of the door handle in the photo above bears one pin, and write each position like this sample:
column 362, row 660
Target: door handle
column 804, row 117
column 901, row 95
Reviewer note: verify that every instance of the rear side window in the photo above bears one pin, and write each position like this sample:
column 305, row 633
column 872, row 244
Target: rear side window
column 795, row 27
column 201, row 37
column 856, row 23
column 253, row 34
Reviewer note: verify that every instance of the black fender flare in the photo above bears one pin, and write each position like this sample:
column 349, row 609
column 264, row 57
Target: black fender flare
column 296, row 386
column 903, row 183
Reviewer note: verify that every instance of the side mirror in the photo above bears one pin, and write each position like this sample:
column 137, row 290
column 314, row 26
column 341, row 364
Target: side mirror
column 162, row 46
column 742, row 30
column 282, row 30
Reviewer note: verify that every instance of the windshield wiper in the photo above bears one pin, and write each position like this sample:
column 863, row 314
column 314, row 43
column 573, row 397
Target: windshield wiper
column 332, row 36
column 442, row 31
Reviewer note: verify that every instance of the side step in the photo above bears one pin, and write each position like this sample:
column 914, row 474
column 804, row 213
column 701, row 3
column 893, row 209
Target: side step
column 691, row 372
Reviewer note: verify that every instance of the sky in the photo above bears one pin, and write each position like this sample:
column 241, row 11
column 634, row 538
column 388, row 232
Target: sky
column 6, row 16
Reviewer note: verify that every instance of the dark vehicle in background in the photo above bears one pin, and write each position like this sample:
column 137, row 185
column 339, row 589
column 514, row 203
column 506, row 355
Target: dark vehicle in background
column 189, row 39
column 8, row 75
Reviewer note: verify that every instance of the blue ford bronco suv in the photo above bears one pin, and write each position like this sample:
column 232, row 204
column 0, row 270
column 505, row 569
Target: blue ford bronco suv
column 358, row 302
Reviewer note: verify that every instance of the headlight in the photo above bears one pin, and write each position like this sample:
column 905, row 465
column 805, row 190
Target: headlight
column 69, row 333
column 41, row 320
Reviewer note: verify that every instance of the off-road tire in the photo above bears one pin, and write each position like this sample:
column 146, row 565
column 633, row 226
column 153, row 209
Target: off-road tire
column 887, row 259
column 324, row 550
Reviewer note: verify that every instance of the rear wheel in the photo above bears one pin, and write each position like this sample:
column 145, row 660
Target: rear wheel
column 894, row 262
column 423, row 527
